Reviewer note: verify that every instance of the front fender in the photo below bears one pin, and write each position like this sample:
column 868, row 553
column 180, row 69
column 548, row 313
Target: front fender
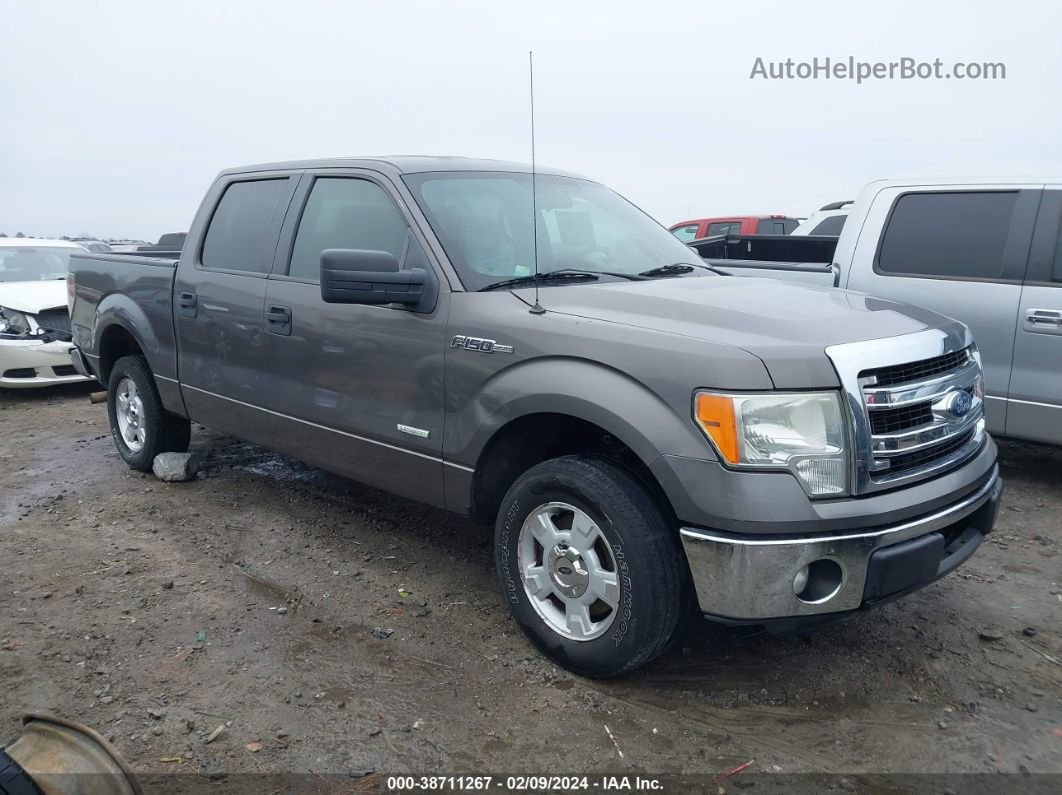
column 587, row 390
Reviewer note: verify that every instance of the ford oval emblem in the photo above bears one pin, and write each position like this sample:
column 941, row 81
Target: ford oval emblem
column 959, row 404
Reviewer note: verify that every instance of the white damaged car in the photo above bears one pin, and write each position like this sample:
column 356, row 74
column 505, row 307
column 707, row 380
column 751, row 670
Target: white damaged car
column 34, row 319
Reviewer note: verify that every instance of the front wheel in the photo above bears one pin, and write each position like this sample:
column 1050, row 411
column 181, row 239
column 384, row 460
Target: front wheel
column 140, row 426
column 589, row 566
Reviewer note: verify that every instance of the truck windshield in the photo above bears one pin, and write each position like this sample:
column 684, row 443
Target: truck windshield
column 483, row 220
column 34, row 263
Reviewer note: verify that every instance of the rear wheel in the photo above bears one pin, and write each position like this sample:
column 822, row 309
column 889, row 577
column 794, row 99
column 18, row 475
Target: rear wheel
column 589, row 565
column 140, row 426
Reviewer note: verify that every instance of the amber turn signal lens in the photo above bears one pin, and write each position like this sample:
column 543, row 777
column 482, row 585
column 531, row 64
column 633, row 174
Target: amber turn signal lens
column 715, row 414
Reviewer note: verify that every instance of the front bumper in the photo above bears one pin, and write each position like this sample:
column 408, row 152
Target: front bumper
column 749, row 578
column 27, row 363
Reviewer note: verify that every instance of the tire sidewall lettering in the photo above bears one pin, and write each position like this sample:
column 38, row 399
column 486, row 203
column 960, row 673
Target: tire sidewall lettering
column 514, row 584
column 623, row 620
column 506, row 553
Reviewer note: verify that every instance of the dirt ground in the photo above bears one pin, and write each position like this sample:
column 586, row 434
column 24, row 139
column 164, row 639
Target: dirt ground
column 248, row 599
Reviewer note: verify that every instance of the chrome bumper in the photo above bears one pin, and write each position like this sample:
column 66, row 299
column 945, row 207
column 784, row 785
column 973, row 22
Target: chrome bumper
column 749, row 578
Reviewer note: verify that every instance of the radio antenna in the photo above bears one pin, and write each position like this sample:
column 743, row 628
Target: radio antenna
column 537, row 308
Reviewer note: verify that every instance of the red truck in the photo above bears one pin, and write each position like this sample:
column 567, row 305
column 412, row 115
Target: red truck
column 734, row 225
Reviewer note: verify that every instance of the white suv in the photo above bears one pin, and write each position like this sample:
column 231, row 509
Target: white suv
column 827, row 221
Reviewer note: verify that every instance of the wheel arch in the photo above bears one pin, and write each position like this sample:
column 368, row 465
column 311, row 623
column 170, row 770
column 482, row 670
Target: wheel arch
column 115, row 342
column 122, row 327
column 532, row 438
column 562, row 406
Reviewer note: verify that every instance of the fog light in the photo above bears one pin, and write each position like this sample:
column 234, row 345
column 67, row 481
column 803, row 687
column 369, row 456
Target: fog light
column 818, row 582
column 823, row 475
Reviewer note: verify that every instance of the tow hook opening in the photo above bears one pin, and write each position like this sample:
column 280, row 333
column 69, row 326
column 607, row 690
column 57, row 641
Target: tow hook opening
column 818, row 581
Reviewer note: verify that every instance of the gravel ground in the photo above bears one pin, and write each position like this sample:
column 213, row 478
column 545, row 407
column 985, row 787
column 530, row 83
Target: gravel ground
column 334, row 629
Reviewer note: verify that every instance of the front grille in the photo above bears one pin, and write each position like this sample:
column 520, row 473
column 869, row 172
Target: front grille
column 20, row 372
column 927, row 457
column 914, row 371
column 54, row 319
column 918, row 406
column 901, row 418
column 908, row 407
column 64, row 369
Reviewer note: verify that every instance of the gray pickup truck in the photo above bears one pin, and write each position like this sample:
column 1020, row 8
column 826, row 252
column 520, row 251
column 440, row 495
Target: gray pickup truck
column 987, row 251
column 642, row 432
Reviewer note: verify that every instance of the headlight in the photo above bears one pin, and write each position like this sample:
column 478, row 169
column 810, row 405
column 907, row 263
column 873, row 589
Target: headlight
column 803, row 432
column 12, row 322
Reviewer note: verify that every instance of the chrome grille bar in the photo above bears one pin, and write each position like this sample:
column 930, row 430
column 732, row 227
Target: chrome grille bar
column 933, row 389
column 945, row 424
column 892, row 444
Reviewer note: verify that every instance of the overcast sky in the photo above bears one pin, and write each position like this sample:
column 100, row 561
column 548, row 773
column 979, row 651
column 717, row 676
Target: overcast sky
column 115, row 116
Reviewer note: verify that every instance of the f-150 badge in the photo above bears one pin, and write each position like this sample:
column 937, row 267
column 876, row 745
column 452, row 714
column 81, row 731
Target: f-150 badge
column 479, row 344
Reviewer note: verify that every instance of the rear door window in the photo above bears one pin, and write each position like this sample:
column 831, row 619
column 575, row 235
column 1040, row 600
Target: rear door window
column 959, row 235
column 724, row 228
column 345, row 212
column 242, row 232
column 776, row 226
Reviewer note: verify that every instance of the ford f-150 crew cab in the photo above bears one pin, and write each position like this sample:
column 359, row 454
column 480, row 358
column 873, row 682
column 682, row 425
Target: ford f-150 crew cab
column 536, row 352
column 985, row 251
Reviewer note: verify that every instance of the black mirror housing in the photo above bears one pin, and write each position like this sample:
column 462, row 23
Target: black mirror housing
column 358, row 276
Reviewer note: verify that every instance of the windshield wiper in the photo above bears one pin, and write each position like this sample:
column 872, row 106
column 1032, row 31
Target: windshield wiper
column 676, row 268
column 563, row 274
column 632, row 277
column 542, row 278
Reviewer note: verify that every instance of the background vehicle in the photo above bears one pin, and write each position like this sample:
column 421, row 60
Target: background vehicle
column 171, row 241
column 828, row 220
column 93, row 245
column 564, row 368
column 985, row 251
column 734, row 225
column 126, row 245
column 34, row 321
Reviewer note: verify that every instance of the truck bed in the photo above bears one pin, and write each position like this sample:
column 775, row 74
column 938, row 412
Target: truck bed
column 818, row 273
column 134, row 287
column 806, row 258
column 164, row 258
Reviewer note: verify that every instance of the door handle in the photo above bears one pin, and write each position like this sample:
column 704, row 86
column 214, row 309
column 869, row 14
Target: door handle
column 278, row 320
column 1044, row 317
column 186, row 304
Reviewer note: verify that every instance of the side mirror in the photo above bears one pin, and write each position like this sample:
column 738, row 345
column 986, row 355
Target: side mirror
column 357, row 276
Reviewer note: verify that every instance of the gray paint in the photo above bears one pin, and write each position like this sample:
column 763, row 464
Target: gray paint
column 773, row 502
column 626, row 357
column 784, row 325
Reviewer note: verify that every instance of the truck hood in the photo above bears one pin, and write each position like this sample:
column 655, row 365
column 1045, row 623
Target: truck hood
column 788, row 326
column 33, row 297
